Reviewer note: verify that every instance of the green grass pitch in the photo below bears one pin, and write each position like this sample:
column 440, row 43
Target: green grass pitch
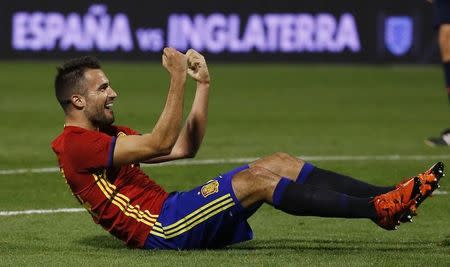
column 255, row 110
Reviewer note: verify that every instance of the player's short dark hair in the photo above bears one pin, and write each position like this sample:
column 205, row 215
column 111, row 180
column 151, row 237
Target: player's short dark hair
column 70, row 76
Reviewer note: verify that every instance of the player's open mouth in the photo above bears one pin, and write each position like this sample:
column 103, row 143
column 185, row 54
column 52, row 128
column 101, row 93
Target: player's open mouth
column 109, row 105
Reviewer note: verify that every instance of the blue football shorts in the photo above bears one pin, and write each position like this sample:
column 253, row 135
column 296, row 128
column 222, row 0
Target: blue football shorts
column 209, row 216
column 442, row 12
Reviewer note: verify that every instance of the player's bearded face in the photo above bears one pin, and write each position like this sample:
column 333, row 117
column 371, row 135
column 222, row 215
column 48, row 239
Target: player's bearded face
column 99, row 99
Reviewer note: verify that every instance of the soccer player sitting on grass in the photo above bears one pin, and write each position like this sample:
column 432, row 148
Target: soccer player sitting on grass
column 100, row 162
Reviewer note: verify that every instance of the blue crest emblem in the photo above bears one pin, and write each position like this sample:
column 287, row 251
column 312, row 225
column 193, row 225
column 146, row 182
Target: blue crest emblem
column 398, row 34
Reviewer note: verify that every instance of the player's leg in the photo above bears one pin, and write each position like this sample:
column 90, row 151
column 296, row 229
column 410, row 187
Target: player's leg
column 256, row 185
column 443, row 22
column 302, row 172
column 444, row 44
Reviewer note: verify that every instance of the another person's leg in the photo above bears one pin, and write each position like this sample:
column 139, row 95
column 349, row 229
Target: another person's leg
column 442, row 13
column 444, row 44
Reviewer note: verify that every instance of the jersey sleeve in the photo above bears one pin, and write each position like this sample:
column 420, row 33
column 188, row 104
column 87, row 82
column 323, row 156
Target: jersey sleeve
column 92, row 151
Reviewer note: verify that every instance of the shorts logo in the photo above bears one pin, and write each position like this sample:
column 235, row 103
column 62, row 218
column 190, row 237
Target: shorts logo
column 210, row 188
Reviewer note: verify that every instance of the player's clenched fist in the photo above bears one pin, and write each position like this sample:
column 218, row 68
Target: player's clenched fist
column 174, row 61
column 197, row 67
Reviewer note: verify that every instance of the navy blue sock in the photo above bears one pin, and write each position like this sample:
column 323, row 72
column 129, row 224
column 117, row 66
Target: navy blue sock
column 305, row 172
column 446, row 66
column 340, row 183
column 308, row 200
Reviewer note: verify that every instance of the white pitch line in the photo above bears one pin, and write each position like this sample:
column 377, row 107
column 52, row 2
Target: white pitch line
column 246, row 160
column 26, row 212
column 73, row 210
column 31, row 170
column 439, row 192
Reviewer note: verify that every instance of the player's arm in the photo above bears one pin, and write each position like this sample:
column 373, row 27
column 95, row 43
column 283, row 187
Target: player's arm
column 191, row 136
column 160, row 142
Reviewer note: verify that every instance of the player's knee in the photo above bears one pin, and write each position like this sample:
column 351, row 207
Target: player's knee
column 262, row 179
column 258, row 172
column 256, row 177
column 444, row 29
column 444, row 42
column 254, row 185
column 253, row 179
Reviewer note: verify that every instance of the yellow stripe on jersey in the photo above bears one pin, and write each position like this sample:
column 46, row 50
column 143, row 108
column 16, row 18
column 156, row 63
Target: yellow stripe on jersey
column 113, row 189
column 198, row 216
column 126, row 208
column 114, row 195
column 118, row 200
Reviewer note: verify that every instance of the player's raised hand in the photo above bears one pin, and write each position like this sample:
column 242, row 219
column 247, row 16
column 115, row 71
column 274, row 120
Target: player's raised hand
column 197, row 67
column 174, row 61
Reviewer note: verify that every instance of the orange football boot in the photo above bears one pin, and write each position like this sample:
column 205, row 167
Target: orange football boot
column 429, row 181
column 393, row 205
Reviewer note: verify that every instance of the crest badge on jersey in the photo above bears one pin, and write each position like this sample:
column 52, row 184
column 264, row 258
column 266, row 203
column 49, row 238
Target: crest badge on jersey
column 210, row 188
column 398, row 34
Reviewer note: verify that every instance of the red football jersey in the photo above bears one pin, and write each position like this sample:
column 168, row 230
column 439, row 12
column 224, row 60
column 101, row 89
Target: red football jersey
column 124, row 201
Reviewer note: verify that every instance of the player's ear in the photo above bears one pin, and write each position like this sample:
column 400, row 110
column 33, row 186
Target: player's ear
column 78, row 101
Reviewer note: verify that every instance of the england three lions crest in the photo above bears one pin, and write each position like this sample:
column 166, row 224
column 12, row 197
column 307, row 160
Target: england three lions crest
column 210, row 188
column 398, row 34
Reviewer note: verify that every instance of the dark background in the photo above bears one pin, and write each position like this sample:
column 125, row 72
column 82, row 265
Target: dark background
column 369, row 17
